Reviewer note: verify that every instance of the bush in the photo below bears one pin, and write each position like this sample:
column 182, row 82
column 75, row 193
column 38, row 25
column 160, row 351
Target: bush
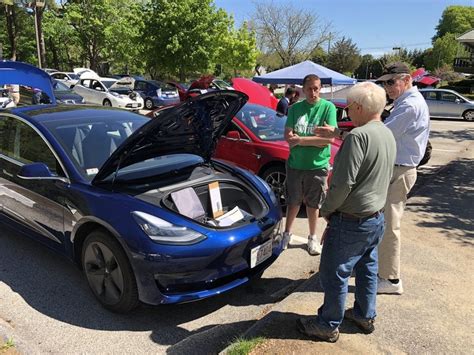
column 465, row 86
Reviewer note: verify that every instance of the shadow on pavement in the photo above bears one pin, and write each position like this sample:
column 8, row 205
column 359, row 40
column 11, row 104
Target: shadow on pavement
column 446, row 198
column 53, row 286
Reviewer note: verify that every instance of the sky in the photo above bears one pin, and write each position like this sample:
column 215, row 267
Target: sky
column 375, row 26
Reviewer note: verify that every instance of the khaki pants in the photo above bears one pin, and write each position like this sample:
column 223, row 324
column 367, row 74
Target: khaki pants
column 389, row 249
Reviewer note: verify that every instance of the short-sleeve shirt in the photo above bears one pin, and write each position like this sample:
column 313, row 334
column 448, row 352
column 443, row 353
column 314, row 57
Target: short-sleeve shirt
column 303, row 117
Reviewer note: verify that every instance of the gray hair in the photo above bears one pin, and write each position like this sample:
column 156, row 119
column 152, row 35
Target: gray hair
column 369, row 95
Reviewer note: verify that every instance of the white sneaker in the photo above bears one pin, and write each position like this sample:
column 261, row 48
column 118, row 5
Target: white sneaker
column 314, row 247
column 286, row 239
column 386, row 287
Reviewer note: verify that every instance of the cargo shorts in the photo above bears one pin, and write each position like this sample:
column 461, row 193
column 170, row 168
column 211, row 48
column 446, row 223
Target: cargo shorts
column 308, row 186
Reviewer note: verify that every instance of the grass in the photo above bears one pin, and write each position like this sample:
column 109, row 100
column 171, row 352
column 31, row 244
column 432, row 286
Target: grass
column 7, row 345
column 244, row 346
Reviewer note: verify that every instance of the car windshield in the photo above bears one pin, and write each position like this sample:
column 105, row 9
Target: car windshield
column 59, row 86
column 73, row 76
column 265, row 123
column 108, row 83
column 90, row 141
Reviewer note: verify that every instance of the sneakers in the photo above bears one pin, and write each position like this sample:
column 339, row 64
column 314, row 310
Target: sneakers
column 310, row 327
column 367, row 326
column 314, row 247
column 286, row 239
column 386, row 287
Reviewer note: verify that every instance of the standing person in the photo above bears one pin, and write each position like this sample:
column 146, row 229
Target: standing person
column 354, row 211
column 14, row 92
column 307, row 165
column 295, row 98
column 284, row 102
column 409, row 122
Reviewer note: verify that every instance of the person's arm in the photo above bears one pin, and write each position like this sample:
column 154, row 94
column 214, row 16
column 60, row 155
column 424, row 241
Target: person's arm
column 312, row 141
column 344, row 175
column 400, row 119
column 289, row 133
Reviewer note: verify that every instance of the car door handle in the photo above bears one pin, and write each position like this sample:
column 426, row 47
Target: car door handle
column 258, row 156
column 7, row 173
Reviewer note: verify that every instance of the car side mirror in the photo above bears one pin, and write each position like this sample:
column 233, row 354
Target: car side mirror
column 458, row 101
column 235, row 135
column 37, row 171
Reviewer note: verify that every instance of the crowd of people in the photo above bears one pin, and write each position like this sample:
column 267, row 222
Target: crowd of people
column 372, row 175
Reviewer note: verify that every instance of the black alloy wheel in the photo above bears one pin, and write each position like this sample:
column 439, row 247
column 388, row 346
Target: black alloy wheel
column 149, row 104
column 109, row 273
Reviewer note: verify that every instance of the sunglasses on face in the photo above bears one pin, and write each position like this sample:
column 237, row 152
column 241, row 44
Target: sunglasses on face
column 390, row 82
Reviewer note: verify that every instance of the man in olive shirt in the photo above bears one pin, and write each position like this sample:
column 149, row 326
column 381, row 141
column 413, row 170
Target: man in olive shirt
column 354, row 211
column 307, row 165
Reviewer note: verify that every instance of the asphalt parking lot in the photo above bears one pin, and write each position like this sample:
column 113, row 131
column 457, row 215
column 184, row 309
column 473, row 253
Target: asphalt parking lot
column 46, row 306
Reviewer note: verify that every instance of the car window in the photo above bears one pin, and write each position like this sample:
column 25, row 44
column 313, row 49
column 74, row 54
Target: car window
column 140, row 85
column 429, row 95
column 265, row 123
column 21, row 142
column 96, row 85
column 86, row 83
column 59, row 76
column 447, row 96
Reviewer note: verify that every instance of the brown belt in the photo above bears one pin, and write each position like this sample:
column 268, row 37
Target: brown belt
column 354, row 217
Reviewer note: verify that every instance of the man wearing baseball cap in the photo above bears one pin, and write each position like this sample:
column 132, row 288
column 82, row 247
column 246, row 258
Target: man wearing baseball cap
column 409, row 122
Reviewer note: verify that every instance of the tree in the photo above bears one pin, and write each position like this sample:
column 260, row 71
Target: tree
column 184, row 36
column 369, row 68
column 344, row 56
column 239, row 50
column 455, row 19
column 290, row 32
column 443, row 52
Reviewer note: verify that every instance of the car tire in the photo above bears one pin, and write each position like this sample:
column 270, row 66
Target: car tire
column 107, row 103
column 109, row 273
column 468, row 115
column 148, row 104
column 275, row 177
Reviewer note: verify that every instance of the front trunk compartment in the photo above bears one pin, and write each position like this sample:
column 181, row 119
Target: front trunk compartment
column 233, row 192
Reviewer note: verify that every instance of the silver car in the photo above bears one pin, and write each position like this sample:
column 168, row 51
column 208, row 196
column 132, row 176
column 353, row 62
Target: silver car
column 444, row 103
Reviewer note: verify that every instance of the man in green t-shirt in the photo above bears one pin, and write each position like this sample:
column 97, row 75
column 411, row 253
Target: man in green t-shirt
column 307, row 165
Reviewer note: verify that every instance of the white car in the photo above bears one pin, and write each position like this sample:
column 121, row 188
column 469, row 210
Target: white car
column 108, row 92
column 70, row 79
column 5, row 100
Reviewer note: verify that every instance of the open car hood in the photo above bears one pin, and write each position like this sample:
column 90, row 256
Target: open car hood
column 125, row 83
column 19, row 73
column 192, row 127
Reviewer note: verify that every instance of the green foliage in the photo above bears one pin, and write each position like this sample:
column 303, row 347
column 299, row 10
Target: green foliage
column 7, row 345
column 443, row 52
column 344, row 56
column 184, row 36
column 244, row 346
column 319, row 56
column 455, row 19
column 239, row 51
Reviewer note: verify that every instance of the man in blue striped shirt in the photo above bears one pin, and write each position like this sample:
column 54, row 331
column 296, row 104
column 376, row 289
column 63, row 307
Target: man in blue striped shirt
column 409, row 122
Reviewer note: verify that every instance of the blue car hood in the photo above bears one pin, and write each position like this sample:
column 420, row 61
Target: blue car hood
column 192, row 127
column 25, row 74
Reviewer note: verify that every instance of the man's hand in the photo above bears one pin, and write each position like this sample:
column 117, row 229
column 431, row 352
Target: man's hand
column 325, row 131
column 294, row 140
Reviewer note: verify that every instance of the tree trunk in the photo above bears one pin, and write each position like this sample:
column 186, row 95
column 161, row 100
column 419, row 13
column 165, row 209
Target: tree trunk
column 41, row 38
column 11, row 28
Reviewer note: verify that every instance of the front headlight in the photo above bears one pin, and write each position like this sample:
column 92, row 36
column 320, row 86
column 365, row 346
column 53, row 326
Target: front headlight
column 164, row 232
column 115, row 94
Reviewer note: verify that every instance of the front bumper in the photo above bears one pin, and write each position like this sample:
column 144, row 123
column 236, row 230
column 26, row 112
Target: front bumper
column 206, row 272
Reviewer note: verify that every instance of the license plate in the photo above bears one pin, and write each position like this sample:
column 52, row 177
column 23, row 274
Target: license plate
column 261, row 253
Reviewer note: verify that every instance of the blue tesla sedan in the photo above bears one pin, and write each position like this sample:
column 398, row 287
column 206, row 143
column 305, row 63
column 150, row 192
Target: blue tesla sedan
column 137, row 203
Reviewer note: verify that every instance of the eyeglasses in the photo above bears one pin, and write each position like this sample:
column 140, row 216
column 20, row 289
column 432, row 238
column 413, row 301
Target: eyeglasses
column 346, row 109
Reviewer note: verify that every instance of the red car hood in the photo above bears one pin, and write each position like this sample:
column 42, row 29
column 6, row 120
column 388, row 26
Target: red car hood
column 257, row 93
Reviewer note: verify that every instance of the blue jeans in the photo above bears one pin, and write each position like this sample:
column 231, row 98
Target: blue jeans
column 349, row 245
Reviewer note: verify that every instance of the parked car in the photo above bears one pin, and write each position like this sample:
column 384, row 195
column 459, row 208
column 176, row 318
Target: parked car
column 70, row 79
column 105, row 188
column 156, row 93
column 181, row 87
column 63, row 94
column 444, row 103
column 205, row 84
column 5, row 100
column 109, row 92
